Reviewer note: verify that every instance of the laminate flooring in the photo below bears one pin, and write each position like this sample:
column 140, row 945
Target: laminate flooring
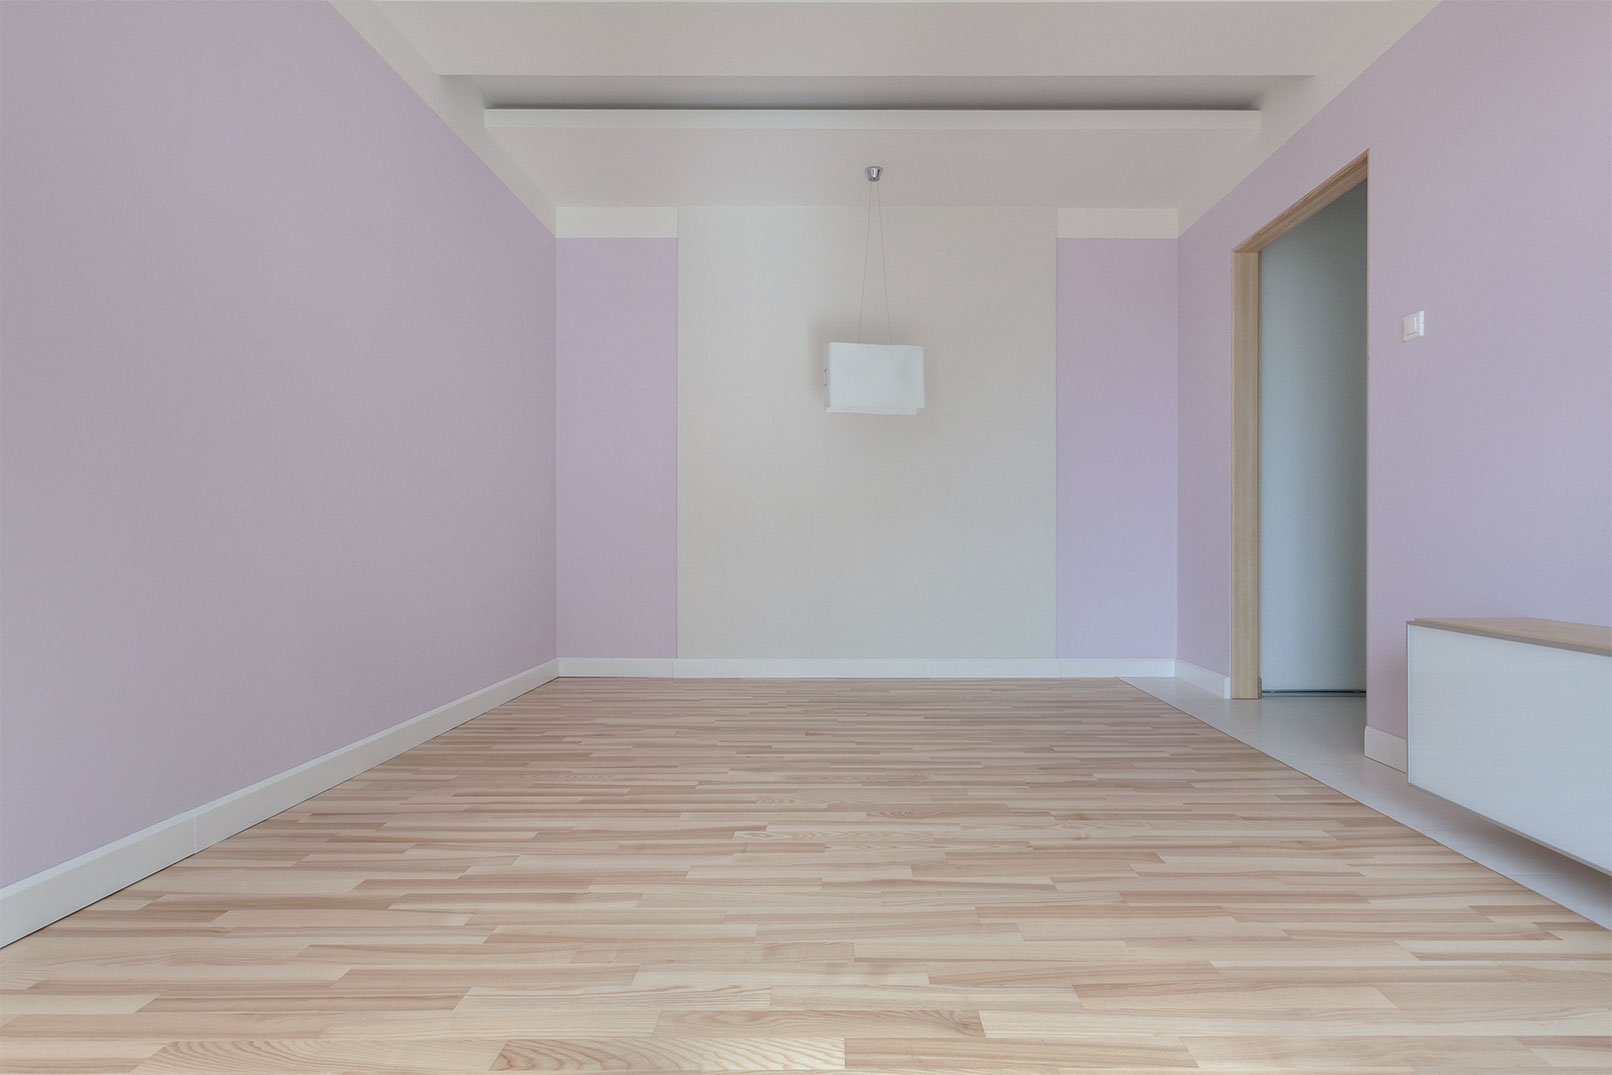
column 998, row 877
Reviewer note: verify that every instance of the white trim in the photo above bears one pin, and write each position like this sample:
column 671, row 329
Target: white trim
column 456, row 100
column 1203, row 678
column 467, row 2
column 1385, row 747
column 867, row 668
column 617, row 667
column 864, row 668
column 37, row 901
column 647, row 222
column 873, row 119
column 1118, row 224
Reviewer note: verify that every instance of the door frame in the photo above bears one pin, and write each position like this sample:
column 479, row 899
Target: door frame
column 1245, row 419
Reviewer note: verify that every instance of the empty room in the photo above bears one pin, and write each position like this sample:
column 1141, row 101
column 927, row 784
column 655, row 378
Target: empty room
column 901, row 537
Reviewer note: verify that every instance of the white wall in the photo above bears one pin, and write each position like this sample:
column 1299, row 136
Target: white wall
column 1312, row 473
column 809, row 535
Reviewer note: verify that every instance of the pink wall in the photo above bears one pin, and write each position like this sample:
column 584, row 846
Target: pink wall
column 277, row 413
column 1490, row 440
column 617, row 377
column 1116, row 447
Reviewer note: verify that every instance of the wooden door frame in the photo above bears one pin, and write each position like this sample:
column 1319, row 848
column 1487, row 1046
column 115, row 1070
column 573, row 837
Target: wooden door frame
column 1245, row 420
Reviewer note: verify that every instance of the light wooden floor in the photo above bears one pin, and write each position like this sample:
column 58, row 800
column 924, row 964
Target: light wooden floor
column 891, row 877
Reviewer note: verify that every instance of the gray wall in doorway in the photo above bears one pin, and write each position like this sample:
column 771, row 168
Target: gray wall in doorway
column 1312, row 480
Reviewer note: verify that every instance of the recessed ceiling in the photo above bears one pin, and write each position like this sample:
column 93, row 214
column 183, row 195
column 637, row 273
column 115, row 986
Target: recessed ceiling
column 1112, row 104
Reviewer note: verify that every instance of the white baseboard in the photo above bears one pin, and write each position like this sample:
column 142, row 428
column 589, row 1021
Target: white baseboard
column 1385, row 747
column 37, row 901
column 866, row 668
column 1202, row 678
column 617, row 667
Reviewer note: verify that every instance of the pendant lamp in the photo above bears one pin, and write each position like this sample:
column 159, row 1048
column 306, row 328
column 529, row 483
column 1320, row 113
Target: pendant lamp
column 874, row 378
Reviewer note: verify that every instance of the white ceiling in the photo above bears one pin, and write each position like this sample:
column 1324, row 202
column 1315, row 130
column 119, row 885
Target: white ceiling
column 1098, row 159
column 1144, row 104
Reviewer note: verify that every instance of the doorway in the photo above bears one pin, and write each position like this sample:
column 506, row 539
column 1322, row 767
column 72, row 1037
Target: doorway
column 1312, row 453
column 1317, row 569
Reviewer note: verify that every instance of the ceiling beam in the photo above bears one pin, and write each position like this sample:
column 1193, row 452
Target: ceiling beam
column 797, row 119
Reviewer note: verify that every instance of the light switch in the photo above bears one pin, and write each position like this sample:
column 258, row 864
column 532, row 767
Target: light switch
column 1412, row 325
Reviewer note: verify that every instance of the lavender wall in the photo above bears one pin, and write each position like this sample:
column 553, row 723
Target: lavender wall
column 1116, row 560
column 617, row 379
column 1490, row 448
column 277, row 411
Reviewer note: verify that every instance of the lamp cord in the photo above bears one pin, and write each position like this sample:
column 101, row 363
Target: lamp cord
column 884, row 272
column 862, row 294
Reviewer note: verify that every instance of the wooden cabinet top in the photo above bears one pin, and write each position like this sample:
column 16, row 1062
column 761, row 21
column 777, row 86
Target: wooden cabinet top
column 1587, row 637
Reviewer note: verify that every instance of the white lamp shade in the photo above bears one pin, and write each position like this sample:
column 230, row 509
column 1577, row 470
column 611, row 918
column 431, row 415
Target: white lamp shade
column 875, row 378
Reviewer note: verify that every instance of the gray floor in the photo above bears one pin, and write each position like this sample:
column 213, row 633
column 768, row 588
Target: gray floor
column 1321, row 737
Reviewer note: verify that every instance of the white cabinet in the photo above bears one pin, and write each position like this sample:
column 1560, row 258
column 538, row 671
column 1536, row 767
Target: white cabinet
column 1513, row 719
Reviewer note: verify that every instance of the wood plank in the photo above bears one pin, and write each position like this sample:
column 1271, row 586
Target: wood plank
column 1245, row 475
column 1560, row 634
column 1332, row 188
column 1008, row 878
